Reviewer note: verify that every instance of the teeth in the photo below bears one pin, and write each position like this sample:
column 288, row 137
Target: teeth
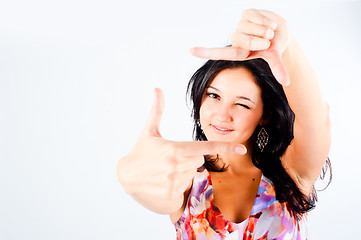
column 223, row 129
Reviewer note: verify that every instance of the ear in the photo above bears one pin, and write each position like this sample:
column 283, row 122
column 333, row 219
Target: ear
column 264, row 121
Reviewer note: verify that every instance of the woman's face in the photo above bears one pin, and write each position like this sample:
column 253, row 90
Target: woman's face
column 232, row 107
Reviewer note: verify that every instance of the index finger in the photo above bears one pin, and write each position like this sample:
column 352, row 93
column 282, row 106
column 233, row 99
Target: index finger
column 225, row 53
column 197, row 148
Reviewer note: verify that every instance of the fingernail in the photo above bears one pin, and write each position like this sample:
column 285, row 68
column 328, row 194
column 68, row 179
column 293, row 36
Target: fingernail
column 286, row 83
column 273, row 25
column 241, row 149
column 269, row 34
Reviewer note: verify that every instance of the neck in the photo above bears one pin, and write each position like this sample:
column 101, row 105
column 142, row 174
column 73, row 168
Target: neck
column 238, row 164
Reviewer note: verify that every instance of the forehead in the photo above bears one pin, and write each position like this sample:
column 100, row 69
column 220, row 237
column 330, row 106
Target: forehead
column 237, row 81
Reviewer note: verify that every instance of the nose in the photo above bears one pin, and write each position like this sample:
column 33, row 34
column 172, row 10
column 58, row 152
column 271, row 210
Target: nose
column 224, row 113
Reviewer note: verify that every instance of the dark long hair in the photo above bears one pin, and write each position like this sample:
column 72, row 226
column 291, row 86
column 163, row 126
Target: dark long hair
column 279, row 127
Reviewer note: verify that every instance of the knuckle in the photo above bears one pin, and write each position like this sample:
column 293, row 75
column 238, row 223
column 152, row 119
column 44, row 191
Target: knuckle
column 266, row 32
column 249, row 42
column 263, row 19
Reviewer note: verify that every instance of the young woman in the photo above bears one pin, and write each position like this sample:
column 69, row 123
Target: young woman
column 263, row 137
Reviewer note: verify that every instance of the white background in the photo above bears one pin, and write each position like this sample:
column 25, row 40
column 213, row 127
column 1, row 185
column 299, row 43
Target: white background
column 76, row 85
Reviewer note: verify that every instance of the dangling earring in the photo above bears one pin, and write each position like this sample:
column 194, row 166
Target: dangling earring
column 262, row 139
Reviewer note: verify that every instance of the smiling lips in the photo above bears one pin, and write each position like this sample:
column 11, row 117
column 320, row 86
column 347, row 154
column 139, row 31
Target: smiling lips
column 221, row 130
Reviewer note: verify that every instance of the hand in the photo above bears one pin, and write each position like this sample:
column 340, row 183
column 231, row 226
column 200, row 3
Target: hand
column 259, row 34
column 161, row 168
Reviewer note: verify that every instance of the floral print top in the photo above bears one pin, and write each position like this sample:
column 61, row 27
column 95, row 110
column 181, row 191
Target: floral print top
column 269, row 218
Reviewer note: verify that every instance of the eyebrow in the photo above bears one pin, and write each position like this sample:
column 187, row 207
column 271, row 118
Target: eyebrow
column 240, row 97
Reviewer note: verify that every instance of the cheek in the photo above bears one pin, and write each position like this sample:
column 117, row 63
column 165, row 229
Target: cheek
column 203, row 114
column 247, row 121
column 207, row 112
column 252, row 119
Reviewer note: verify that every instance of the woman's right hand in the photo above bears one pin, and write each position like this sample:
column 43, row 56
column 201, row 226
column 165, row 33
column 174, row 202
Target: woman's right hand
column 158, row 171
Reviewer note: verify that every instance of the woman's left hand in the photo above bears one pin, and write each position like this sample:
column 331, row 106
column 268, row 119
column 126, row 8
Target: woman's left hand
column 259, row 34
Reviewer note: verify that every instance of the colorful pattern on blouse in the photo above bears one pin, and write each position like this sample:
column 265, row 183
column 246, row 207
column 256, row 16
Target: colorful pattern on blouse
column 269, row 219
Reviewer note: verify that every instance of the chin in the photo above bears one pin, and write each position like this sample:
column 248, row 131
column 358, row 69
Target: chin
column 221, row 138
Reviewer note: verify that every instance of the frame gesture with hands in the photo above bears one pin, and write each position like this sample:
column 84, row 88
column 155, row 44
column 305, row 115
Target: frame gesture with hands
column 157, row 172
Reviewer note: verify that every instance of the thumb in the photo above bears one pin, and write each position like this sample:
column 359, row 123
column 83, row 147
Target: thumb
column 279, row 69
column 155, row 114
column 276, row 64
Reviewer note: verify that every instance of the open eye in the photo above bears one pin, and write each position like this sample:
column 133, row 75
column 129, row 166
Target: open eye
column 213, row 95
column 243, row 105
